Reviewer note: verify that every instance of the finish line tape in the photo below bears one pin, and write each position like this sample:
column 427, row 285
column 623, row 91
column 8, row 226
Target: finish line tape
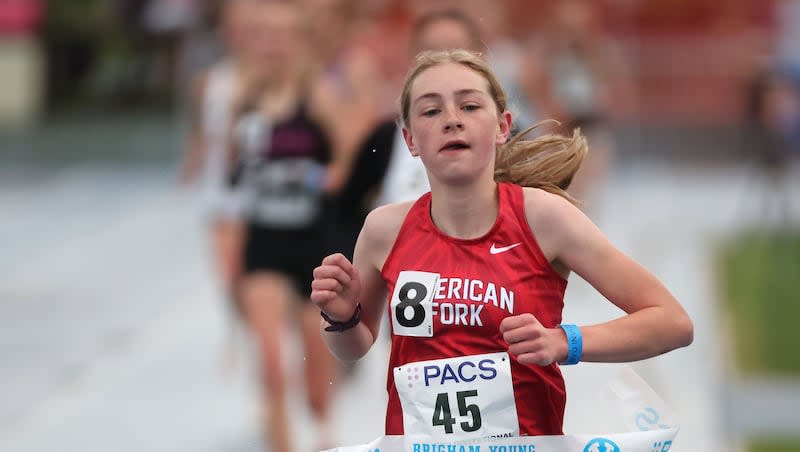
column 650, row 423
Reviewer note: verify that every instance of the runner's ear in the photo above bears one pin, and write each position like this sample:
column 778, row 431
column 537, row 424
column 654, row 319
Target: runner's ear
column 409, row 139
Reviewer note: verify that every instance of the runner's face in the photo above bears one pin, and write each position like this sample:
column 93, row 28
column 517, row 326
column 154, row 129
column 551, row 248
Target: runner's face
column 277, row 38
column 454, row 125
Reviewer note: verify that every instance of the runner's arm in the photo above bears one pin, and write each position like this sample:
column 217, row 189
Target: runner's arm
column 360, row 282
column 655, row 322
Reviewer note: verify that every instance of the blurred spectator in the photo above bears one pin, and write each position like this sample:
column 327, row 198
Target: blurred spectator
column 21, row 62
column 788, row 16
column 579, row 67
column 167, row 23
column 283, row 150
column 773, row 136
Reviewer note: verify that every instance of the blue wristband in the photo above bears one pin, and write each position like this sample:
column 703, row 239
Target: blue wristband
column 574, row 344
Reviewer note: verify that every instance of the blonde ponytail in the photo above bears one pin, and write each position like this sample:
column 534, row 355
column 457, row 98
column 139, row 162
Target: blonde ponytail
column 548, row 162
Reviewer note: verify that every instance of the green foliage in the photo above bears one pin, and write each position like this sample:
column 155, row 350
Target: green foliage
column 760, row 280
column 775, row 445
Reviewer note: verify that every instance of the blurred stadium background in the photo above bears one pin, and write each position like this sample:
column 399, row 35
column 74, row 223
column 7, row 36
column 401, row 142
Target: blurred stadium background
column 112, row 326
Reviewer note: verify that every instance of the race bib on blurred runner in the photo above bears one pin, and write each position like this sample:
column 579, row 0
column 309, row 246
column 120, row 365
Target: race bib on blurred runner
column 465, row 397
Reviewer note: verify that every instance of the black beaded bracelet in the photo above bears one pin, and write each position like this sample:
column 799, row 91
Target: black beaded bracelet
column 342, row 326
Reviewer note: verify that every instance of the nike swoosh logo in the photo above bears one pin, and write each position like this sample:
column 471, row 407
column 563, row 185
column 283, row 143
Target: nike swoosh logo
column 496, row 250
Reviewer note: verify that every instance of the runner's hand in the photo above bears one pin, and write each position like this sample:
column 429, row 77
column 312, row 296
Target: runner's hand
column 531, row 342
column 336, row 287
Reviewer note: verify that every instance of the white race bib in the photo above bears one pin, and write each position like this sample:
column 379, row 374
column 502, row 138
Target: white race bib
column 645, row 413
column 411, row 304
column 465, row 397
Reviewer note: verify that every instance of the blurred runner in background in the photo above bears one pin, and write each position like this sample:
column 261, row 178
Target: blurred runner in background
column 209, row 157
column 283, row 151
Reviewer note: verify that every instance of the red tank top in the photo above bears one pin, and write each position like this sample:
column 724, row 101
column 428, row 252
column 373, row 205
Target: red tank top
column 507, row 274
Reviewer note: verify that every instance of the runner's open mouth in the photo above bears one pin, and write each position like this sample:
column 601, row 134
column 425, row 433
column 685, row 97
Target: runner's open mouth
column 455, row 146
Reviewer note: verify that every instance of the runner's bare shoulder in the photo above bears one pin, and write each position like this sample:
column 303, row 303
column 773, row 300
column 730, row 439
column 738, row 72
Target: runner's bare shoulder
column 382, row 227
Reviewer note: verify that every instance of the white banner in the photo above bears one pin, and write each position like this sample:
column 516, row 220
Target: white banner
column 647, row 416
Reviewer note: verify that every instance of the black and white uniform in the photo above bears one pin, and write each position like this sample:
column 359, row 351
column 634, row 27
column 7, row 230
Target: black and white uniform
column 282, row 174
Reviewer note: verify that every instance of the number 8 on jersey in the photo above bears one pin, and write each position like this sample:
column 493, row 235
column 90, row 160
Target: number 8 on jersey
column 411, row 304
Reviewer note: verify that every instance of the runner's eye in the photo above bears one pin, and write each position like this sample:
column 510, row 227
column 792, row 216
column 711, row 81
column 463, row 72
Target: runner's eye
column 430, row 112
